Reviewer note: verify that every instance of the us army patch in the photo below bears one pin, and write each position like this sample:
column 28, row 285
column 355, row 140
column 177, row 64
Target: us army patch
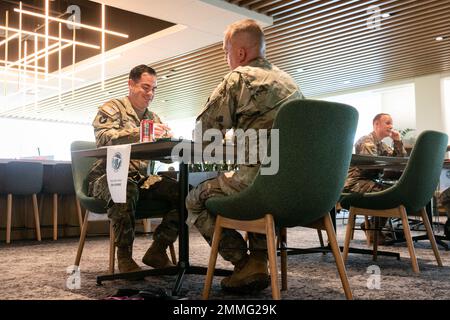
column 109, row 109
column 102, row 119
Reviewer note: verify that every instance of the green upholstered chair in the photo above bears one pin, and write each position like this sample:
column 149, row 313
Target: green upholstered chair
column 315, row 147
column 409, row 195
column 144, row 209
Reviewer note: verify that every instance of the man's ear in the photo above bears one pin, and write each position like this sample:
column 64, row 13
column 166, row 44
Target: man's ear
column 242, row 55
column 130, row 83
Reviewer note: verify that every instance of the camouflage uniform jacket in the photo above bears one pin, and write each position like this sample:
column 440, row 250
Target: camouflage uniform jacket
column 369, row 145
column 117, row 123
column 248, row 98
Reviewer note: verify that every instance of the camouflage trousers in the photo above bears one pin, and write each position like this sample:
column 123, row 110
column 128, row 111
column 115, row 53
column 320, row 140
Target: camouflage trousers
column 232, row 246
column 364, row 186
column 444, row 199
column 122, row 215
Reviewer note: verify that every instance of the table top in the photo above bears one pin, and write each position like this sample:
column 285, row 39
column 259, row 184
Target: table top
column 368, row 161
column 162, row 150
column 144, row 150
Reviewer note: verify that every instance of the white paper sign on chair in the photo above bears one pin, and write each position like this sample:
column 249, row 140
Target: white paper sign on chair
column 118, row 162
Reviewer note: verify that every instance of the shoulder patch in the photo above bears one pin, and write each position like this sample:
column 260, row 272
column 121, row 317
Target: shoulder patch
column 109, row 108
column 102, row 119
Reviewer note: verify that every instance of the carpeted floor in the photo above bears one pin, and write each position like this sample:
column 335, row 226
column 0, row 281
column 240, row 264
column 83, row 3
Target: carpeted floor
column 31, row 270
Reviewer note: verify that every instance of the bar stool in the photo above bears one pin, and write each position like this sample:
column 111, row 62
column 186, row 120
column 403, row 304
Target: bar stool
column 58, row 181
column 22, row 179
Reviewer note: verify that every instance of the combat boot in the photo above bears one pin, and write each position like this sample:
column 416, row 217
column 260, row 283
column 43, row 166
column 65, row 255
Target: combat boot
column 156, row 256
column 125, row 260
column 249, row 275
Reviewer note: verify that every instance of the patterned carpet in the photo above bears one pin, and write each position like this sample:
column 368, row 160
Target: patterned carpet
column 31, row 270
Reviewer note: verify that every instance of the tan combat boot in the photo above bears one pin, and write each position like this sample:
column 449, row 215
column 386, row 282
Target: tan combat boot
column 249, row 275
column 156, row 256
column 125, row 260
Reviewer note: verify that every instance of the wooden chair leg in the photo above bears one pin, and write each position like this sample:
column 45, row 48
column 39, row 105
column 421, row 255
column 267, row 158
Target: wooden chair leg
column 112, row 249
column 272, row 253
column 83, row 233
column 319, row 234
column 245, row 236
column 375, row 237
column 337, row 255
column 36, row 217
column 430, row 233
column 283, row 255
column 146, row 223
column 353, row 230
column 322, row 243
column 348, row 233
column 367, row 225
column 408, row 238
column 55, row 216
column 80, row 216
column 173, row 256
column 212, row 257
column 8, row 217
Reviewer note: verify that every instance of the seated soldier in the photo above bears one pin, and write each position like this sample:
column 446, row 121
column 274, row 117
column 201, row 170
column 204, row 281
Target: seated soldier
column 118, row 122
column 370, row 180
column 444, row 201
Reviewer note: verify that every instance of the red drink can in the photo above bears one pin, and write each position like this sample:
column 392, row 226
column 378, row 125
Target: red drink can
column 146, row 130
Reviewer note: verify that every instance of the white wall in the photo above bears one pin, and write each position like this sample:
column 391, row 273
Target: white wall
column 396, row 100
column 22, row 138
column 182, row 127
column 429, row 104
column 399, row 102
column 446, row 103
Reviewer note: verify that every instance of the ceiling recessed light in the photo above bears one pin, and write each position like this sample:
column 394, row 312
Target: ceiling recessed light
column 385, row 15
column 440, row 38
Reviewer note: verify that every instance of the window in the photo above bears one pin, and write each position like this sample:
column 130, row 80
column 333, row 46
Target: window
column 398, row 101
column 25, row 138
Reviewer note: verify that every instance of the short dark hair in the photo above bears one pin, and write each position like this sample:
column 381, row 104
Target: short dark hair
column 136, row 72
column 378, row 117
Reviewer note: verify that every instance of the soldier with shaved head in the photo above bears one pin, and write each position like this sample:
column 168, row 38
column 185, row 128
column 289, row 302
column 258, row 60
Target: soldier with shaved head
column 248, row 97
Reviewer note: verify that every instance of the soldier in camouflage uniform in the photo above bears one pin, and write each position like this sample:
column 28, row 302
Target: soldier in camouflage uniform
column 117, row 122
column 444, row 201
column 369, row 180
column 247, row 98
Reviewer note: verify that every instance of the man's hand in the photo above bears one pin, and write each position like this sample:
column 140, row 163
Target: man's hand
column 395, row 135
column 161, row 130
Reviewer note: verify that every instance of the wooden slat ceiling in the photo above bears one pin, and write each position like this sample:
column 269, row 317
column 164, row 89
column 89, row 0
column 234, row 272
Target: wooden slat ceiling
column 329, row 40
